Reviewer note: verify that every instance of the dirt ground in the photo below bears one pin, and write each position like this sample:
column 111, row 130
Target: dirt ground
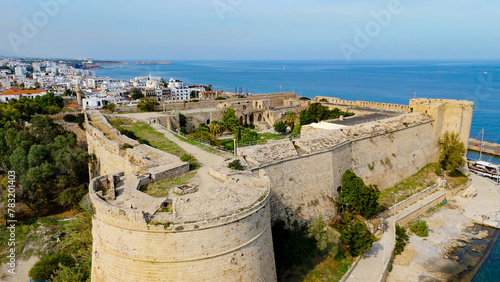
column 455, row 244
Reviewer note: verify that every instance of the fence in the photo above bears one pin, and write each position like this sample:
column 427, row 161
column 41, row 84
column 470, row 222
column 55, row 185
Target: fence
column 239, row 144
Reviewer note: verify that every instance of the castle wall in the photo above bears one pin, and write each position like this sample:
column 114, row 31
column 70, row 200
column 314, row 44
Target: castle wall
column 386, row 159
column 305, row 186
column 450, row 115
column 365, row 104
column 232, row 247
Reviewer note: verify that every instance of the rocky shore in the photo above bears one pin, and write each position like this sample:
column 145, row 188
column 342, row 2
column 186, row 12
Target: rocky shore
column 460, row 238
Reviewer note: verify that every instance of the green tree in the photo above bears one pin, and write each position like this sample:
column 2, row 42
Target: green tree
column 326, row 237
column 452, row 152
column 355, row 235
column 37, row 85
column 195, row 94
column 229, row 119
column 182, row 120
column 401, row 240
column 290, row 119
column 318, row 112
column 280, row 127
column 136, row 94
column 356, row 197
column 216, row 128
column 110, row 107
column 147, row 105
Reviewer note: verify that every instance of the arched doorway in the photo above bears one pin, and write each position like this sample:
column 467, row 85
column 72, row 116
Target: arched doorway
column 251, row 117
column 260, row 117
column 241, row 120
column 208, row 121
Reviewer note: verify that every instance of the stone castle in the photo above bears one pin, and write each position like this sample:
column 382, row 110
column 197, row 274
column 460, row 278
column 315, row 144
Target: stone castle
column 223, row 232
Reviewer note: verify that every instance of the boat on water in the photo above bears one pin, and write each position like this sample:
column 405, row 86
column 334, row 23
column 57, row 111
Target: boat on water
column 485, row 169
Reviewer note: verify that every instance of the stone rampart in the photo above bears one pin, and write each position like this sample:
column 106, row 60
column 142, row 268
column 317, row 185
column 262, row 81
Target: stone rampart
column 221, row 236
column 111, row 157
column 365, row 104
column 306, row 174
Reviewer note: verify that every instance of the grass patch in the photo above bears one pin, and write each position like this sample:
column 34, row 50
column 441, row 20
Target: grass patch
column 189, row 141
column 424, row 178
column 156, row 139
column 330, row 269
column 266, row 136
column 162, row 188
column 434, row 209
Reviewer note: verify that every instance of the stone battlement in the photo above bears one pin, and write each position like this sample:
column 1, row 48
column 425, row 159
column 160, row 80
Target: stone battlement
column 365, row 104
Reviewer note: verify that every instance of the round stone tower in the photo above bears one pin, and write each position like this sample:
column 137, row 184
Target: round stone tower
column 224, row 235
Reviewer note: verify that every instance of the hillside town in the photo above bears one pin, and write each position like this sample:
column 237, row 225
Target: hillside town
column 36, row 78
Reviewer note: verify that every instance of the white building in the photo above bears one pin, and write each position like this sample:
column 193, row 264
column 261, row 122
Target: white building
column 16, row 94
column 94, row 103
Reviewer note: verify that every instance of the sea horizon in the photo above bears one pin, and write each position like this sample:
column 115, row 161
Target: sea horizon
column 385, row 81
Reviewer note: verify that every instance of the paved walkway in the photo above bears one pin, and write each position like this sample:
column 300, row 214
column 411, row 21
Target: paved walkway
column 373, row 264
column 205, row 182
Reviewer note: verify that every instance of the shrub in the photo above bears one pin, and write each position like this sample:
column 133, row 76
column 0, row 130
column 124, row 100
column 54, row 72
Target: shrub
column 420, row 228
column 127, row 145
column 280, row 127
column 193, row 162
column 401, row 240
column 46, row 266
column 143, row 141
column 69, row 118
column 229, row 146
column 128, row 133
column 220, row 98
column 235, row 165
column 147, row 105
column 296, row 129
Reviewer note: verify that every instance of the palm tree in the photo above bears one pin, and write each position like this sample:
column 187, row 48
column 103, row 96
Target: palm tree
column 216, row 128
column 290, row 119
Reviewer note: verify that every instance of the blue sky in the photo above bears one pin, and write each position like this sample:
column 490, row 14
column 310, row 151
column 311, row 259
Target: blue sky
column 251, row 29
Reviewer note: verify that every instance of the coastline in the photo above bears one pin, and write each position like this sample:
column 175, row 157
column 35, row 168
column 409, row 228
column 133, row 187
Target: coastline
column 462, row 235
column 470, row 275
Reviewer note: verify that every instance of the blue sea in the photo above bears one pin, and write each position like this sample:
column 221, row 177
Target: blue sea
column 379, row 81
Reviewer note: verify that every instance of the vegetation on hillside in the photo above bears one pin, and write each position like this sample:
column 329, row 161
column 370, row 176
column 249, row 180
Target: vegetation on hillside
column 25, row 108
column 49, row 165
column 425, row 178
column 308, row 252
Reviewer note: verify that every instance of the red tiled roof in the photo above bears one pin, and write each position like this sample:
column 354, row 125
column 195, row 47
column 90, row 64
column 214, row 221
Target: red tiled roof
column 15, row 91
column 73, row 105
